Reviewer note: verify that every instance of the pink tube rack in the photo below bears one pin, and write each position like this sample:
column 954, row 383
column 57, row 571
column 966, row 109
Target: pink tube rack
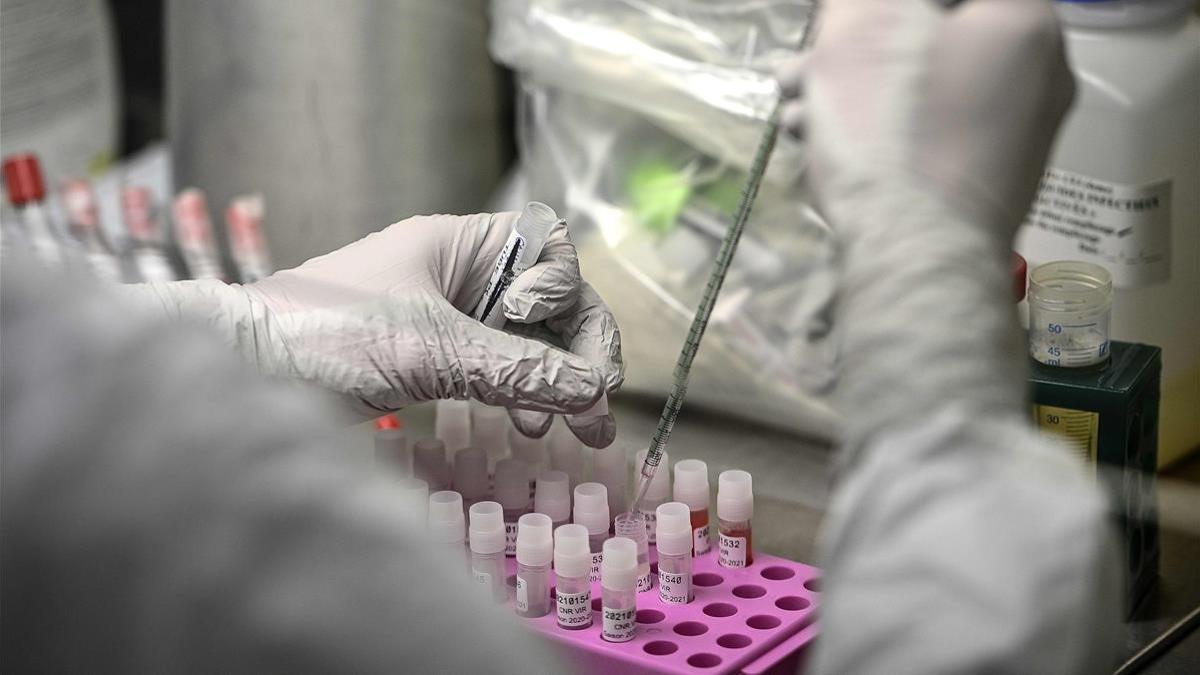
column 758, row 621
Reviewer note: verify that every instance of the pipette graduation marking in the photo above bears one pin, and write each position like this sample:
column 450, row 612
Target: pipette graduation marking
column 683, row 365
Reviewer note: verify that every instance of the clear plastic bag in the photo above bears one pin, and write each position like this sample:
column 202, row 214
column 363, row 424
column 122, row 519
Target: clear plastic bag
column 638, row 119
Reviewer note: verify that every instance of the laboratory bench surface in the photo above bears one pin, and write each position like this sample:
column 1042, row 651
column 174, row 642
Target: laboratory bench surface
column 791, row 493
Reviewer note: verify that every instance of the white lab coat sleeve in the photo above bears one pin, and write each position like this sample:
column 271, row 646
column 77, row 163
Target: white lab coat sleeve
column 166, row 511
column 957, row 540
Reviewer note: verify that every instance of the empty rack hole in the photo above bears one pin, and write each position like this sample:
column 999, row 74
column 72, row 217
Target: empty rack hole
column 749, row 591
column 660, row 648
column 734, row 641
column 763, row 622
column 720, row 609
column 777, row 573
column 650, row 616
column 691, row 628
column 707, row 579
column 704, row 660
column 792, row 603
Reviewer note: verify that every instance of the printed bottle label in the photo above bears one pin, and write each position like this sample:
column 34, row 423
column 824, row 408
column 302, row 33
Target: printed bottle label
column 594, row 574
column 481, row 578
column 510, row 539
column 619, row 624
column 574, row 609
column 674, row 589
column 522, row 595
column 700, row 541
column 644, row 583
column 1124, row 228
column 1076, row 429
column 731, row 551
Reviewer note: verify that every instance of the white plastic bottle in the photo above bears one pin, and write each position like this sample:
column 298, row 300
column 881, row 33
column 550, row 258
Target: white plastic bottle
column 572, row 569
column 487, row 548
column 1122, row 185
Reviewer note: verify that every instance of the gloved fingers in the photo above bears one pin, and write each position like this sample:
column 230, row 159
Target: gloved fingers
column 501, row 369
column 590, row 331
column 548, row 288
column 595, row 431
column 792, row 117
column 530, row 423
column 790, row 76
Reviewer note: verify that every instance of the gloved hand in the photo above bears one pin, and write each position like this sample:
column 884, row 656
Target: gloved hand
column 385, row 322
column 960, row 105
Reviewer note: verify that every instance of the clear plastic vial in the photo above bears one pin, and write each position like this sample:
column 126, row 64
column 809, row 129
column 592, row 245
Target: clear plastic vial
column 572, row 586
column 591, row 511
column 1070, row 303
column 610, row 467
column 674, row 553
column 447, row 525
column 471, row 475
column 657, row 492
column 691, row 488
column 618, row 590
column 512, row 491
column 633, row 526
column 429, row 463
column 487, row 549
column 566, row 452
column 553, row 497
column 735, row 509
column 535, row 552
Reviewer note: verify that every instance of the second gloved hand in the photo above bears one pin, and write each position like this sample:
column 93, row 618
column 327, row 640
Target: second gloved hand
column 385, row 322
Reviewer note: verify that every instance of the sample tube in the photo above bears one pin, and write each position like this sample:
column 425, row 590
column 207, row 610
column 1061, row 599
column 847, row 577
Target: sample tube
column 674, row 553
column 429, row 463
column 632, row 526
column 489, row 430
column 610, row 467
column 691, row 488
column 141, row 221
column 591, row 511
column 520, row 252
column 532, row 451
column 447, row 526
column 487, row 548
column 658, row 492
column 243, row 221
column 553, row 497
column 27, row 194
column 566, row 453
column 735, row 509
column 414, row 500
column 471, row 477
column 83, row 217
column 452, row 424
column 535, row 551
column 391, row 450
column 194, row 234
column 572, row 571
column 512, row 492
column 1070, row 304
column 618, row 590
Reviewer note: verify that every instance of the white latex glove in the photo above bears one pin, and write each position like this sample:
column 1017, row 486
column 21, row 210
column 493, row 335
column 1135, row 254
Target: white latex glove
column 956, row 540
column 384, row 321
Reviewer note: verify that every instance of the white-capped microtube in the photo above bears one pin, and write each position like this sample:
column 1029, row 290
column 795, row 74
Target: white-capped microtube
column 243, row 222
column 735, row 509
column 591, row 511
column 452, row 424
column 572, row 582
column 535, row 552
column 659, row 491
column 429, row 463
column 618, row 590
column 632, row 525
column 553, row 497
column 512, row 492
column 566, row 452
column 521, row 251
column 471, row 475
column 674, row 553
column 610, row 467
column 532, row 451
column 1070, row 303
column 489, row 430
column 447, row 525
column 194, row 235
column 691, row 488
column 487, row 548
